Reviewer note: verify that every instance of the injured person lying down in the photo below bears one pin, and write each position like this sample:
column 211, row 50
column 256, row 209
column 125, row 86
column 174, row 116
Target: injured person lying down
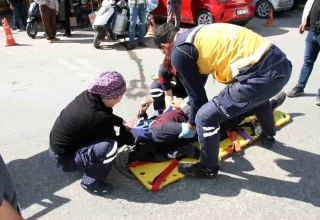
column 162, row 141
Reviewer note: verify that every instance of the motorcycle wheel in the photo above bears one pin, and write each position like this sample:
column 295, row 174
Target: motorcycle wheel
column 97, row 38
column 32, row 29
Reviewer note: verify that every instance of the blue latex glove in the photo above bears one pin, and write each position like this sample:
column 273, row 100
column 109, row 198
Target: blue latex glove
column 186, row 133
column 169, row 109
column 142, row 131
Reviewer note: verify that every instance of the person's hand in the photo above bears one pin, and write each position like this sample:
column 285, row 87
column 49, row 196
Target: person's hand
column 72, row 11
column 141, row 131
column 57, row 12
column 178, row 103
column 144, row 105
column 11, row 7
column 302, row 26
column 188, row 131
column 169, row 109
column 47, row 2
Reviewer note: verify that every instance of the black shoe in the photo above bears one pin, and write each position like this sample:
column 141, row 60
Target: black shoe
column 142, row 44
column 267, row 141
column 64, row 35
column 95, row 186
column 278, row 100
column 296, row 91
column 197, row 170
column 318, row 100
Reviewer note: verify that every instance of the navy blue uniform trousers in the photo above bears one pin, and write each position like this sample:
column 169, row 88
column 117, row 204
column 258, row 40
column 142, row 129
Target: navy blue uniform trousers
column 95, row 160
column 251, row 90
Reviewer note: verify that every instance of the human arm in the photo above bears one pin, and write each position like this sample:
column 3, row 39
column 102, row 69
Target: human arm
column 305, row 16
column 165, row 79
column 71, row 6
column 57, row 6
column 184, row 59
column 144, row 105
column 7, row 212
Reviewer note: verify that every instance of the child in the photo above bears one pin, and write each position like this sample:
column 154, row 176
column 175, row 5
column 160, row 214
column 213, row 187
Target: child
column 83, row 137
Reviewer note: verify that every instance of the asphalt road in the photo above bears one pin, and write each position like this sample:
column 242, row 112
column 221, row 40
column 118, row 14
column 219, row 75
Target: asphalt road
column 38, row 80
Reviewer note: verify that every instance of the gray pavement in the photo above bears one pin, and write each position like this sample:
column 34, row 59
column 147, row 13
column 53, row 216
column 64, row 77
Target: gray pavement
column 38, row 80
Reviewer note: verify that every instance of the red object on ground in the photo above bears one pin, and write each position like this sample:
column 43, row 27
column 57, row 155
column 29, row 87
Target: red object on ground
column 213, row 11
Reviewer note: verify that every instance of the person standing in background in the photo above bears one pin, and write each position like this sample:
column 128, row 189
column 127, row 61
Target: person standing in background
column 174, row 6
column 65, row 12
column 152, row 5
column 19, row 13
column 49, row 9
column 138, row 8
column 311, row 22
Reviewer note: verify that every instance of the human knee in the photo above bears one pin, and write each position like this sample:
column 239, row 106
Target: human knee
column 156, row 90
column 208, row 115
column 105, row 151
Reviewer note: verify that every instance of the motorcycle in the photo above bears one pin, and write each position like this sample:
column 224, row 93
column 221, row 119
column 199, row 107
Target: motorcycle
column 112, row 22
column 34, row 18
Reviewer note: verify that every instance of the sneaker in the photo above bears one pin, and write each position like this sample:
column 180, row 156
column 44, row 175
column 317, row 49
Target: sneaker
column 55, row 39
column 267, row 141
column 278, row 100
column 130, row 46
column 318, row 100
column 50, row 41
column 197, row 170
column 95, row 186
column 142, row 44
column 296, row 91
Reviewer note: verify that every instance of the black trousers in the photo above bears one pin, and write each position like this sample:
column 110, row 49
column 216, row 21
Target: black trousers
column 66, row 25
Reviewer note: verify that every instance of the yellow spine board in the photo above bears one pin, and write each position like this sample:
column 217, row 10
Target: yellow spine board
column 147, row 173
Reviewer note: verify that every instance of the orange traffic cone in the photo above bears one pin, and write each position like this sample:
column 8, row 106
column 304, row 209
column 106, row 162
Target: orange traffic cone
column 10, row 39
column 269, row 22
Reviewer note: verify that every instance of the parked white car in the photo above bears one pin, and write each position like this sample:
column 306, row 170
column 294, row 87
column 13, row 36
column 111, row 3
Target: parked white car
column 263, row 7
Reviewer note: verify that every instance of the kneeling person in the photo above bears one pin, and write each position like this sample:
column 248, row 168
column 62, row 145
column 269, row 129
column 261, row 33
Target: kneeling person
column 83, row 136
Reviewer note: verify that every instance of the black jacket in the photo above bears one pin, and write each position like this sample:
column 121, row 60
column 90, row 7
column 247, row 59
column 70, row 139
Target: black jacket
column 85, row 120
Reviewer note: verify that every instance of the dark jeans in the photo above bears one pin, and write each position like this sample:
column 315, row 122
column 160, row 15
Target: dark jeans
column 174, row 9
column 310, row 56
column 19, row 13
column 251, row 90
column 95, row 160
column 49, row 20
column 158, row 96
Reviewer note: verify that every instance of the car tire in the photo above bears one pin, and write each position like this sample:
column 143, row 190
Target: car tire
column 263, row 9
column 204, row 17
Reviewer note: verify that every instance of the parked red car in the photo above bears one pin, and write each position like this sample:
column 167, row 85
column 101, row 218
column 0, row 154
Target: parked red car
column 210, row 11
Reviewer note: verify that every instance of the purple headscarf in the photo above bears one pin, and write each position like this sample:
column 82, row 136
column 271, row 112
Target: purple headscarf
column 109, row 85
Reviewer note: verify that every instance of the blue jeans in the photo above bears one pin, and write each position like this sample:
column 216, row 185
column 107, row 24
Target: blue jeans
column 251, row 90
column 95, row 159
column 310, row 56
column 134, row 13
column 19, row 13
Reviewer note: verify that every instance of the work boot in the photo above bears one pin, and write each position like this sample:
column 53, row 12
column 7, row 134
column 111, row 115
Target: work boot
column 267, row 141
column 95, row 186
column 130, row 46
column 197, row 170
column 318, row 100
column 278, row 100
column 296, row 91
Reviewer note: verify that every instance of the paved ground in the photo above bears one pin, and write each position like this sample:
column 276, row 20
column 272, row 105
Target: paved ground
column 37, row 80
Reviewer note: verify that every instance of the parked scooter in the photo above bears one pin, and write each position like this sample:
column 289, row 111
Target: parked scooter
column 34, row 18
column 112, row 22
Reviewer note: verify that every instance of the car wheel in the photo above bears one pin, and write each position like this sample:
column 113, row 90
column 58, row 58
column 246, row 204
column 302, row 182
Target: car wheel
column 204, row 17
column 263, row 9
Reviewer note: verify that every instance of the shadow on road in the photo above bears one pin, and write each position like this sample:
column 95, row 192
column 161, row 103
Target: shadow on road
column 37, row 180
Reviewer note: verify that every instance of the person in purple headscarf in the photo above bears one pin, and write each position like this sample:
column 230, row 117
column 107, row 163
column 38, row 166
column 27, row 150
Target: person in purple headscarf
column 83, row 136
